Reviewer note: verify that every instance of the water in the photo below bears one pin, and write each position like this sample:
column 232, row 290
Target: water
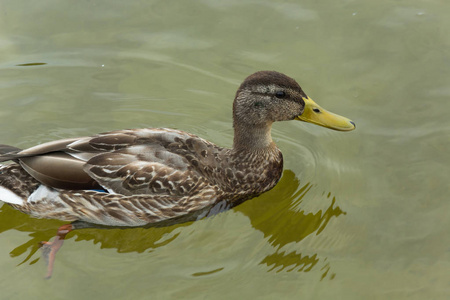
column 359, row 215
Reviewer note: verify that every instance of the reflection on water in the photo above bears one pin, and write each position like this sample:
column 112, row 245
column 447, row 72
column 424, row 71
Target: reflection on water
column 290, row 261
column 290, row 223
column 280, row 219
column 124, row 240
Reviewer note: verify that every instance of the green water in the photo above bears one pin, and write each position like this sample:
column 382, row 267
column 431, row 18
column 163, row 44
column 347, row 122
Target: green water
column 358, row 215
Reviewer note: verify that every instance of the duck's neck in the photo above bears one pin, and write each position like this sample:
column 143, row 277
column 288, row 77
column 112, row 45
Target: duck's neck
column 252, row 138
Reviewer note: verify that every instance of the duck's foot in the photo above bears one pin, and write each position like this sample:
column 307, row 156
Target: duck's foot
column 49, row 249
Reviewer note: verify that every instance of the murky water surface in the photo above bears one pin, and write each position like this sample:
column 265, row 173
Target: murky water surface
column 359, row 215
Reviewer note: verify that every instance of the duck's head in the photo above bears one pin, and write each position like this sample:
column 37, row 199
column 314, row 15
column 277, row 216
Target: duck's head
column 268, row 96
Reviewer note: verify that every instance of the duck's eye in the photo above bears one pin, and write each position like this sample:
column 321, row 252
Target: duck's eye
column 280, row 94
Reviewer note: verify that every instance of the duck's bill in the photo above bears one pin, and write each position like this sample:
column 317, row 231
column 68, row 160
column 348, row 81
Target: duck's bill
column 315, row 114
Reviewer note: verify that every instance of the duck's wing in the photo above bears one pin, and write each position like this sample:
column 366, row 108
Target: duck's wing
column 157, row 161
column 51, row 165
column 127, row 162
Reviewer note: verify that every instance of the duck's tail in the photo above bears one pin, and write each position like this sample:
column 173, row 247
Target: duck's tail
column 10, row 177
column 16, row 185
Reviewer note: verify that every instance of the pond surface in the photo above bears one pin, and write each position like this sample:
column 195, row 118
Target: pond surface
column 358, row 215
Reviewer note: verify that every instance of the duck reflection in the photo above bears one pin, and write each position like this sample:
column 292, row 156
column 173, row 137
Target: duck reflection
column 277, row 214
column 124, row 240
column 288, row 223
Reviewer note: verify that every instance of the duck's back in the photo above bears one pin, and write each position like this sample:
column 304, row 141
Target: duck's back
column 146, row 161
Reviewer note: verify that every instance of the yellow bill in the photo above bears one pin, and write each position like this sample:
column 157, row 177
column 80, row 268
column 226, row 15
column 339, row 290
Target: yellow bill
column 315, row 114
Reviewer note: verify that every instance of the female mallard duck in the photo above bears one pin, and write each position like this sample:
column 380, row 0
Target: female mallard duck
column 142, row 176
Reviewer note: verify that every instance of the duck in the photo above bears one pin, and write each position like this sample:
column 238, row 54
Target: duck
column 137, row 177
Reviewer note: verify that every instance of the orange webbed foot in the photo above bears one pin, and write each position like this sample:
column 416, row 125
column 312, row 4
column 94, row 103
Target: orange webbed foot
column 49, row 249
